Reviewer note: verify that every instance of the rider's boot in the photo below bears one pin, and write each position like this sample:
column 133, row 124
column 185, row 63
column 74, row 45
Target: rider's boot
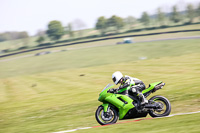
column 144, row 100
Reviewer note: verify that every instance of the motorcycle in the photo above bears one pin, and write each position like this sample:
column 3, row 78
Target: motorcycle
column 128, row 106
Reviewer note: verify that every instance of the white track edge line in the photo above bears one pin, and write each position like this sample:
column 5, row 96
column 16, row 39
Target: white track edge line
column 66, row 131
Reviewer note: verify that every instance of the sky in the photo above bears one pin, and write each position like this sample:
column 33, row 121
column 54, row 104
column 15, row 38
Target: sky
column 34, row 15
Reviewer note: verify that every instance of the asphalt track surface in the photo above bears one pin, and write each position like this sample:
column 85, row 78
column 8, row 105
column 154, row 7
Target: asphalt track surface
column 54, row 51
column 66, row 131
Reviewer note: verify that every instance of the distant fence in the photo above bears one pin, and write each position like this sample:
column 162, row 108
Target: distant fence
column 94, row 40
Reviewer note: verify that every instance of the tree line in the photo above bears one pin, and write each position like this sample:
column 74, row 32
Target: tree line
column 114, row 24
column 13, row 35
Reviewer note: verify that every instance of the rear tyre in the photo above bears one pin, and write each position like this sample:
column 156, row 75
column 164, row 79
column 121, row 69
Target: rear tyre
column 105, row 118
column 164, row 107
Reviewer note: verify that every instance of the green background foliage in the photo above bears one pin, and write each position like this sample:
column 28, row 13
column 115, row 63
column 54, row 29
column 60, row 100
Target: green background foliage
column 55, row 30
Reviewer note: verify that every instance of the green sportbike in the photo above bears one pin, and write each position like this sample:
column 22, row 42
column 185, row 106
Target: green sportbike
column 128, row 106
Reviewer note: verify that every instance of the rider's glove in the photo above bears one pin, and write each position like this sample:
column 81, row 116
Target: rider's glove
column 112, row 90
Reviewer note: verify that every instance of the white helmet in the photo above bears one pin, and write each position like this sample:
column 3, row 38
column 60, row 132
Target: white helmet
column 116, row 77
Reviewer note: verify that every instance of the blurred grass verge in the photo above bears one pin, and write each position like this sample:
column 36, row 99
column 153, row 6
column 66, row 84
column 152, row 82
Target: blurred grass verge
column 176, row 124
column 47, row 93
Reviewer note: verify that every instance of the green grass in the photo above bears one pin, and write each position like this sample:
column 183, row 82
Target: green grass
column 98, row 56
column 109, row 42
column 14, row 44
column 46, row 93
column 176, row 124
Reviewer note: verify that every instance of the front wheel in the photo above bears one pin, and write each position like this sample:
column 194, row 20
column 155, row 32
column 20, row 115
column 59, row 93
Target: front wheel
column 163, row 104
column 109, row 117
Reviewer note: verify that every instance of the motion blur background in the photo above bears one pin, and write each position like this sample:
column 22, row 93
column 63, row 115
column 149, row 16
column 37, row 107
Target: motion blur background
column 48, row 85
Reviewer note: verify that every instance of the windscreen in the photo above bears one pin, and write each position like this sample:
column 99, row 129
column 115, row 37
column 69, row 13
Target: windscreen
column 107, row 86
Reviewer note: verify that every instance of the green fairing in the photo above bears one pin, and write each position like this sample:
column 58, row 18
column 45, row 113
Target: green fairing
column 152, row 85
column 113, row 99
column 104, row 94
column 123, row 108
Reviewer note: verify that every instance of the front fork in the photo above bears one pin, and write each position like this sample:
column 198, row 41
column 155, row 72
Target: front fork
column 105, row 107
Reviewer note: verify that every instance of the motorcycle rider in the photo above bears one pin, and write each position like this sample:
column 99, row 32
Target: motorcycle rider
column 136, row 85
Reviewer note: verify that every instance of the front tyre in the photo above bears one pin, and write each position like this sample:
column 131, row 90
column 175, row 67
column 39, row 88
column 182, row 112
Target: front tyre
column 109, row 117
column 164, row 106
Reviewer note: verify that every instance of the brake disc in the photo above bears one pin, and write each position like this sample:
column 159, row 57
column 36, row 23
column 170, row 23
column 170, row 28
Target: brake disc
column 106, row 116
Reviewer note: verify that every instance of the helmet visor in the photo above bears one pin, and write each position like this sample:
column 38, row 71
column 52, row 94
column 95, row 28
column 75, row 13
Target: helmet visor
column 114, row 79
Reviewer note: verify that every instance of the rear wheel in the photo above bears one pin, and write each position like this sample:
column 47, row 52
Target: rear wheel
column 164, row 107
column 109, row 117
